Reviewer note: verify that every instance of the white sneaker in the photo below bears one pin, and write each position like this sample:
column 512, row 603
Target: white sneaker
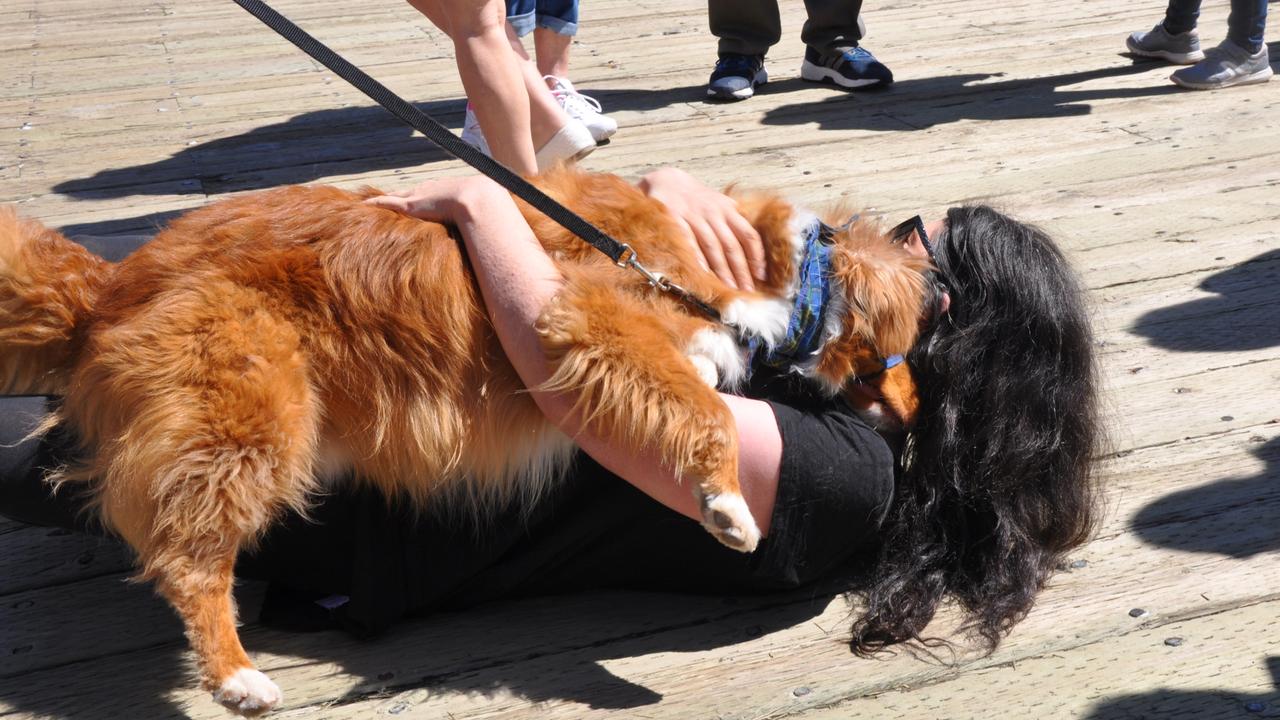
column 573, row 142
column 471, row 133
column 582, row 108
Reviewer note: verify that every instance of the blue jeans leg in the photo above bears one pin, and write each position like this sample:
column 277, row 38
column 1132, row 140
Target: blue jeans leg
column 560, row 16
column 1247, row 21
column 1181, row 16
column 520, row 16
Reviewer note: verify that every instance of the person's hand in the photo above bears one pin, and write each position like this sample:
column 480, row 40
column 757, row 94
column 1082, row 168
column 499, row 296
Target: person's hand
column 726, row 243
column 441, row 200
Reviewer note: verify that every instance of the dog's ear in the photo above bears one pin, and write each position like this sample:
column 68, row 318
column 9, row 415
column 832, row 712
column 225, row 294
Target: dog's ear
column 883, row 292
column 886, row 290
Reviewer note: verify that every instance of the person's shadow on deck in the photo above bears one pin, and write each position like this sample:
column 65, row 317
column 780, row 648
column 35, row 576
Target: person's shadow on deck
column 1240, row 316
column 922, row 103
column 1243, row 522
column 298, row 150
column 1170, row 703
column 317, row 144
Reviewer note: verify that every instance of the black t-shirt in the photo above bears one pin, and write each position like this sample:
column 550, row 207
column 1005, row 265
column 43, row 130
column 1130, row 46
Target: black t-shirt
column 593, row 530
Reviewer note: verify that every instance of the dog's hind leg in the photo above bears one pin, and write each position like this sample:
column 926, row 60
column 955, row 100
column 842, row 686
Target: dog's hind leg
column 623, row 359
column 221, row 442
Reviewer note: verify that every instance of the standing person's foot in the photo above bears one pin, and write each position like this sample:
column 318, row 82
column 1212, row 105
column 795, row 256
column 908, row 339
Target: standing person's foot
column 1224, row 66
column 1183, row 48
column 583, row 108
column 570, row 144
column 471, row 133
column 736, row 76
column 850, row 68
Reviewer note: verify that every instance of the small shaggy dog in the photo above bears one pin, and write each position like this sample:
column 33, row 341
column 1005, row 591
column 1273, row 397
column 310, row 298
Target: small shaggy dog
column 264, row 344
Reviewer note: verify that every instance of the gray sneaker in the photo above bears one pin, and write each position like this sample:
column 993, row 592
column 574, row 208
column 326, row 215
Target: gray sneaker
column 1183, row 48
column 1224, row 66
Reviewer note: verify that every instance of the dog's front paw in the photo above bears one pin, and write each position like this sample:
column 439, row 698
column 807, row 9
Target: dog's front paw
column 248, row 692
column 726, row 517
column 706, row 368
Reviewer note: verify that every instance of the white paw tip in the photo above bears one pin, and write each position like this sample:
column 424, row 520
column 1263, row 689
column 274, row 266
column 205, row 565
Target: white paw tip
column 248, row 692
column 706, row 369
column 728, row 519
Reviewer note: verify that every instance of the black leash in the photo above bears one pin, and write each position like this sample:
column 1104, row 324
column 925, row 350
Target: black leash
column 621, row 253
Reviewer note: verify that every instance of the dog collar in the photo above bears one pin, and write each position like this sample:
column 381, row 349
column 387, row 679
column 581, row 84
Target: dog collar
column 809, row 310
column 885, row 364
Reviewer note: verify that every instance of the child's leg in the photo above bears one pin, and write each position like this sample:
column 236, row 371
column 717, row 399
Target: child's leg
column 491, row 75
column 546, row 117
column 557, row 23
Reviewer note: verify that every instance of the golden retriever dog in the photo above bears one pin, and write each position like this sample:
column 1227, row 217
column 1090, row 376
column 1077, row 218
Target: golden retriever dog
column 263, row 345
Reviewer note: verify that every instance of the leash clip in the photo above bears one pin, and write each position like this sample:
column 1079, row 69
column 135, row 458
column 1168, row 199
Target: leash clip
column 625, row 256
column 627, row 259
column 655, row 279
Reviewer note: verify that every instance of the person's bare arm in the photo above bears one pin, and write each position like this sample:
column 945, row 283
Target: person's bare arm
column 517, row 280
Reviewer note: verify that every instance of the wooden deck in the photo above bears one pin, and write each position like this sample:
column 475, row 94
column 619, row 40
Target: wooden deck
column 114, row 116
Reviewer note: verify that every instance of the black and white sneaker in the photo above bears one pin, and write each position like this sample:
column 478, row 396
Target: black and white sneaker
column 736, row 76
column 851, row 69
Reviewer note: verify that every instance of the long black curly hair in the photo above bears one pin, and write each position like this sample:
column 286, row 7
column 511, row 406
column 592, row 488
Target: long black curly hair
column 995, row 485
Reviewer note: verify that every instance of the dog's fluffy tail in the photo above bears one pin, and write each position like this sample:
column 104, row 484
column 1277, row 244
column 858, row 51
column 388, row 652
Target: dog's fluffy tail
column 47, row 287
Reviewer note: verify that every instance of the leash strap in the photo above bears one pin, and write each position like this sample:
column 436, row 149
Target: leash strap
column 621, row 254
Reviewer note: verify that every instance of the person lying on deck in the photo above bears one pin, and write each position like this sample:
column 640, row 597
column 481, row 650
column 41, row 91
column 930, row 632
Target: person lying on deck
column 977, row 503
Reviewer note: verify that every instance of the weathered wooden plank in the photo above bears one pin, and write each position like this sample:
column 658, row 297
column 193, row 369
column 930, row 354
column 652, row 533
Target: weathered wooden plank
column 1151, row 191
column 1186, row 479
column 82, row 627
column 1198, row 404
column 37, row 557
column 29, row 640
column 1218, row 239
column 1218, row 667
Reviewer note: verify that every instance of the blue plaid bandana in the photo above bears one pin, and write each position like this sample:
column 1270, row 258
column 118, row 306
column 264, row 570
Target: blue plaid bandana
column 808, row 314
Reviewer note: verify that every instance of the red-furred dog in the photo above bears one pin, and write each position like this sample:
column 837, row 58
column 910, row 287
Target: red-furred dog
column 269, row 340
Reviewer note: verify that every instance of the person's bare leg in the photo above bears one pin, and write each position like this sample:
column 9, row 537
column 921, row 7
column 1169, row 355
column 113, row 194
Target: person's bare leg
column 546, row 117
column 552, row 52
column 492, row 76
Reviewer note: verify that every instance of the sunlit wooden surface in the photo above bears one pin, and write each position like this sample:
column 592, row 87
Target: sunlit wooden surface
column 115, row 116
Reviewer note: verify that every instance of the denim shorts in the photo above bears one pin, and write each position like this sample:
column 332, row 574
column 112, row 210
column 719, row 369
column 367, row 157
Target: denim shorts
column 560, row 16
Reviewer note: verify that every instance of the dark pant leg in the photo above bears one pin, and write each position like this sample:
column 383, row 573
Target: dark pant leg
column 746, row 27
column 832, row 24
column 1247, row 21
column 1181, row 16
column 24, row 461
